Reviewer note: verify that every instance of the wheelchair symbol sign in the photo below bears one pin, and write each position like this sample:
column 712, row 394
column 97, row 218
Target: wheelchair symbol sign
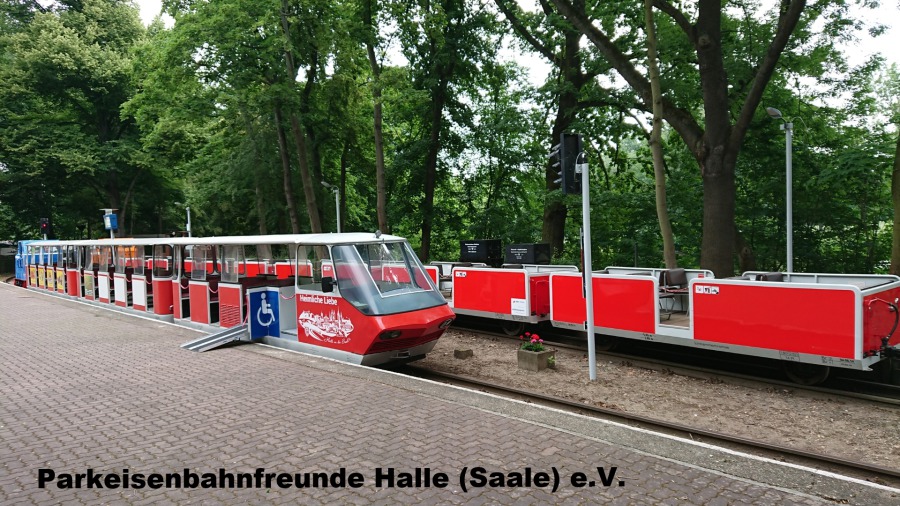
column 264, row 314
column 265, row 310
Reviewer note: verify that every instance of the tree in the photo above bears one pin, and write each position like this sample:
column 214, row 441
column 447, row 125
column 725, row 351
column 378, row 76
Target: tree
column 659, row 173
column 892, row 86
column 371, row 38
column 716, row 144
column 560, row 44
column 66, row 74
column 444, row 41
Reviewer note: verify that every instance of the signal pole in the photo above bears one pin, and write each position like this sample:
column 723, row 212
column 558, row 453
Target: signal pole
column 588, row 281
column 571, row 160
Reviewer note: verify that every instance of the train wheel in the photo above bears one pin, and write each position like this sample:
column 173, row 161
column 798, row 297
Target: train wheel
column 605, row 343
column 805, row 374
column 513, row 328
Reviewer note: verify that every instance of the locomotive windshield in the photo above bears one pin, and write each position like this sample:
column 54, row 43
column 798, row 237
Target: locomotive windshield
column 383, row 278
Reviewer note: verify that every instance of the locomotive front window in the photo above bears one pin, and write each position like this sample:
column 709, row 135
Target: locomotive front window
column 383, row 278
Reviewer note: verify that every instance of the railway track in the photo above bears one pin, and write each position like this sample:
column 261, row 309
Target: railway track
column 856, row 469
column 756, row 371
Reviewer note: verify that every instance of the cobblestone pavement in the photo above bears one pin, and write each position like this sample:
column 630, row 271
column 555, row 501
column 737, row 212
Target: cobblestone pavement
column 84, row 388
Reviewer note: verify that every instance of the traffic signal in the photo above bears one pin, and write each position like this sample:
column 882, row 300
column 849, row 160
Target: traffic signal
column 564, row 156
column 45, row 226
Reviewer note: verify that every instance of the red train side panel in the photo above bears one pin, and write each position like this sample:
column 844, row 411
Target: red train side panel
column 817, row 321
column 230, row 305
column 162, row 296
column 620, row 302
column 502, row 291
column 72, row 285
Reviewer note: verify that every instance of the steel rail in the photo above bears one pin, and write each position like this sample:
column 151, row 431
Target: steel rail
column 660, row 424
column 677, row 367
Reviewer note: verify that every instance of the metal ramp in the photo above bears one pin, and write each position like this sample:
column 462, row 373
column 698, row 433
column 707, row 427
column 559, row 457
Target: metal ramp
column 211, row 341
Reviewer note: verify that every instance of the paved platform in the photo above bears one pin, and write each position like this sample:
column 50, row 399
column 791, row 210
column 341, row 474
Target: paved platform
column 85, row 390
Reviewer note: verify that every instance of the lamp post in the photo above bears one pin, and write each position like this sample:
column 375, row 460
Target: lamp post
column 788, row 128
column 337, row 202
column 188, row 226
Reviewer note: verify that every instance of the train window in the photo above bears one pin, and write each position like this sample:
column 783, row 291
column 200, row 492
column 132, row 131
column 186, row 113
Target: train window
column 258, row 261
column 232, row 266
column 91, row 258
column 106, row 259
column 163, row 262
column 55, row 256
column 383, row 278
column 123, row 259
column 69, row 256
column 198, row 262
column 309, row 264
column 140, row 259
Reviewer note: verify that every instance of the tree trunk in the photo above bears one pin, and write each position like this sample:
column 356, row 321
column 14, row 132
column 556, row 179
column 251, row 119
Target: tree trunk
column 258, row 161
column 659, row 172
column 342, row 185
column 746, row 258
column 309, row 193
column 263, row 250
column 555, row 212
column 717, row 246
column 572, row 79
column 380, row 186
column 286, row 172
column 125, row 206
column 895, row 198
column 434, row 146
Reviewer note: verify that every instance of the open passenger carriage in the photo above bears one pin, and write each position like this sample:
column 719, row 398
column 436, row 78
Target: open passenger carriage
column 811, row 322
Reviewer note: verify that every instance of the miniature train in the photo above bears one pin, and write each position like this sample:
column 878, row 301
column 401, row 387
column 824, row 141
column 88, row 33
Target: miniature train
column 359, row 298
column 367, row 299
column 810, row 322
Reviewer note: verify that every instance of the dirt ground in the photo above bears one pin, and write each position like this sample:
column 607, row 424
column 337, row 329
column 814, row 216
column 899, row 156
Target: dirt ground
column 810, row 421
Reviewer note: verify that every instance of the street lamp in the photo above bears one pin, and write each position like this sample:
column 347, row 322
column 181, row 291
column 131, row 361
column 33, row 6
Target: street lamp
column 337, row 202
column 788, row 128
column 188, row 226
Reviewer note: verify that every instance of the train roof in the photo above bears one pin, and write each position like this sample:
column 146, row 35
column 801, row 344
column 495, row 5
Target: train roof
column 245, row 240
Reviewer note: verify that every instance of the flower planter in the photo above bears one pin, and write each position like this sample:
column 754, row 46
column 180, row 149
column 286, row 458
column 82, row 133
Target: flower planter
column 534, row 360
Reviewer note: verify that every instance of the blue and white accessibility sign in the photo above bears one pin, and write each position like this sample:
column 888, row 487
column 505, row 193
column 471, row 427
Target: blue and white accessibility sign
column 263, row 317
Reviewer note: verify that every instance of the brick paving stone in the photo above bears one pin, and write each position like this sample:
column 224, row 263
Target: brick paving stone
column 84, row 388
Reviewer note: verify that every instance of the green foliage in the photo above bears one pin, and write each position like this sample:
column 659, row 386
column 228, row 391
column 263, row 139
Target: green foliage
column 96, row 111
column 65, row 148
